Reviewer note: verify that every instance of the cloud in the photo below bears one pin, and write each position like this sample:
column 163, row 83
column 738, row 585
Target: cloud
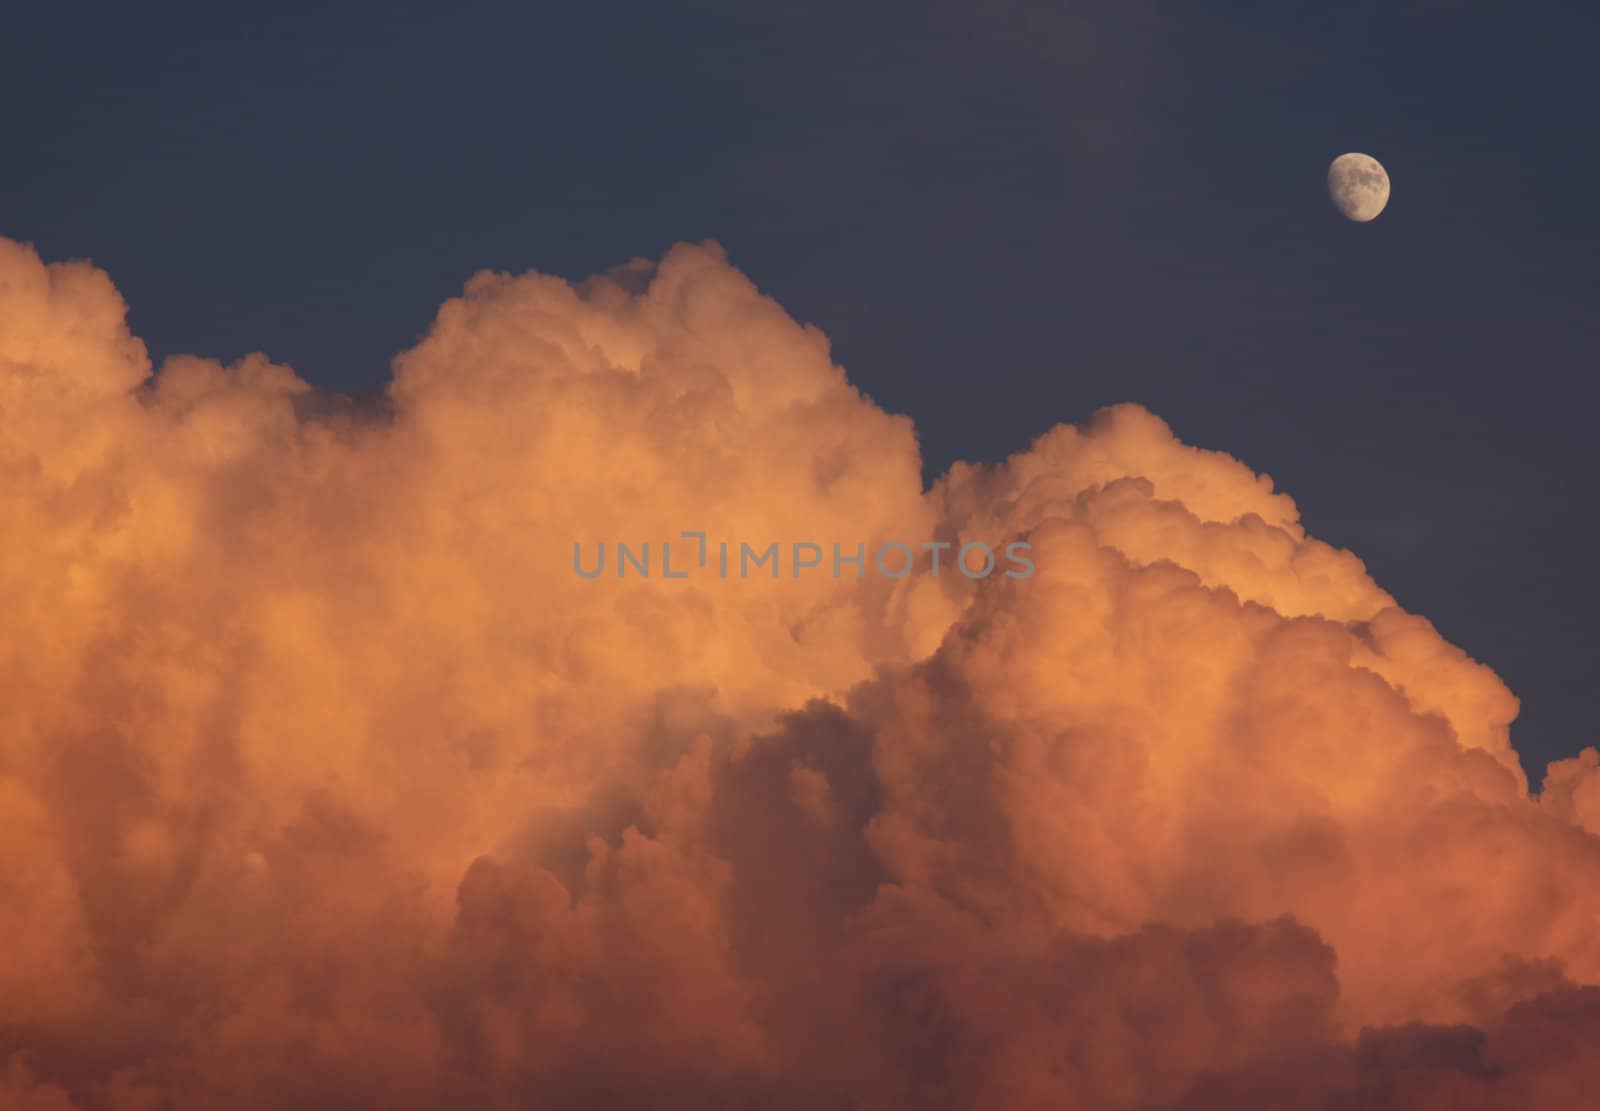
column 1572, row 789
column 326, row 781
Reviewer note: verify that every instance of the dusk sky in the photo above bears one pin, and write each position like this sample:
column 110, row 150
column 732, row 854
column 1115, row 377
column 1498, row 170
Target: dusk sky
column 327, row 332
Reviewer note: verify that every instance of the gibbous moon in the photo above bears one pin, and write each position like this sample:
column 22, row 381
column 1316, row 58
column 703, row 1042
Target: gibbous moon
column 1358, row 185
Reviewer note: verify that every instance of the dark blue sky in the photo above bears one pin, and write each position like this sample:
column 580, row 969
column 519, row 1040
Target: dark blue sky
column 1005, row 215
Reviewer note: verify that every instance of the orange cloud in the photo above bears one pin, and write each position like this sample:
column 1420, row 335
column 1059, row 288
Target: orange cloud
column 325, row 781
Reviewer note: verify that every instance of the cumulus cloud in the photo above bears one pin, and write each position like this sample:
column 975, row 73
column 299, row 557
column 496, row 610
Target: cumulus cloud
column 325, row 781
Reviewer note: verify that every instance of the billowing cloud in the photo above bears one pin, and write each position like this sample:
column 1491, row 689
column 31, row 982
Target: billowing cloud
column 326, row 781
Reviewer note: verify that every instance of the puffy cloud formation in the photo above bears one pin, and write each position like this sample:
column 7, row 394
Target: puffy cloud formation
column 326, row 782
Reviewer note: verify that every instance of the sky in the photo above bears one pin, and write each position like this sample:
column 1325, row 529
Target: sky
column 330, row 341
column 1002, row 215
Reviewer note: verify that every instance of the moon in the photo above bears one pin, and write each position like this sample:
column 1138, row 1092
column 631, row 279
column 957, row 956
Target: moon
column 1359, row 186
